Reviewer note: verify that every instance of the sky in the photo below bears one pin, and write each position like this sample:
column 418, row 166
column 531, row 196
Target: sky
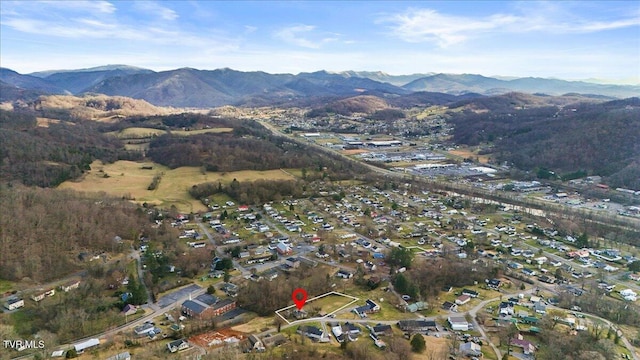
column 555, row 39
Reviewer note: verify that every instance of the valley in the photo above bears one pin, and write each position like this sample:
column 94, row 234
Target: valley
column 425, row 216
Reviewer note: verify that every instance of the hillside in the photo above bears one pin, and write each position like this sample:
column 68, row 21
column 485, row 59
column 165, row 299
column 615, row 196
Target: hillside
column 460, row 84
column 187, row 87
column 600, row 138
column 27, row 82
column 95, row 107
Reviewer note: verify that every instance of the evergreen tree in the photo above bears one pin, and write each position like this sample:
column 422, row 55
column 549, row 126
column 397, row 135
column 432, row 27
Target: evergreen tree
column 417, row 343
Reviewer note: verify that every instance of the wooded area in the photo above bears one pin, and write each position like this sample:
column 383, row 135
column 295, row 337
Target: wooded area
column 43, row 231
column 48, row 156
column 601, row 139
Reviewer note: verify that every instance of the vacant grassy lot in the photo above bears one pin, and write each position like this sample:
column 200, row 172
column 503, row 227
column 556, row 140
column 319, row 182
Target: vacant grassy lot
column 468, row 153
column 129, row 179
column 5, row 285
column 256, row 325
column 328, row 303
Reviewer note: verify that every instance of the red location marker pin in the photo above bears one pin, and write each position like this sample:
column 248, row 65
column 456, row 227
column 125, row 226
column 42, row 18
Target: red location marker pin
column 299, row 297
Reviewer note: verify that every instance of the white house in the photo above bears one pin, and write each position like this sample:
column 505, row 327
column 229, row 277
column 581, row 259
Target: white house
column 629, row 295
column 470, row 349
column 458, row 323
column 13, row 304
column 81, row 347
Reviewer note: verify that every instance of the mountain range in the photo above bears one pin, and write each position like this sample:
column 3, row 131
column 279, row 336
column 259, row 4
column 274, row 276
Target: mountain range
column 187, row 87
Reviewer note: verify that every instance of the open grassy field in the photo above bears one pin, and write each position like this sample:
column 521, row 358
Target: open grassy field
column 256, row 325
column 129, row 179
column 142, row 132
column 328, row 303
column 436, row 348
column 468, row 153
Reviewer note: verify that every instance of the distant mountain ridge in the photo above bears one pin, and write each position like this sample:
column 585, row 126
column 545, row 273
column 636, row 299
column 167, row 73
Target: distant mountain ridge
column 188, row 87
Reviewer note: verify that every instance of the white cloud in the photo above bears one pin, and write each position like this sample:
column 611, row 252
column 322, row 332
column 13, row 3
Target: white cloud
column 295, row 35
column 291, row 35
column 155, row 9
column 83, row 23
column 103, row 7
column 428, row 25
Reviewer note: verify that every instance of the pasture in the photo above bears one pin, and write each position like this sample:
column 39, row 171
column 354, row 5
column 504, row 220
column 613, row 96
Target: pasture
column 131, row 179
column 142, row 132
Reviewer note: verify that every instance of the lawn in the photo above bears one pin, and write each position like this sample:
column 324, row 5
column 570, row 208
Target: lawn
column 256, row 325
column 5, row 285
column 129, row 179
column 387, row 310
column 436, row 348
column 327, row 304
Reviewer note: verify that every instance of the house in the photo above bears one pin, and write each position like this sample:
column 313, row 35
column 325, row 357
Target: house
column 344, row 274
column 381, row 329
column 417, row 326
column 81, row 347
column 274, row 340
column 470, row 349
column 293, row 262
column 350, row 328
column 13, row 304
column 129, row 309
column 494, row 284
column 529, row 272
column 449, row 306
column 271, row 274
column 143, row 329
column 540, row 308
column 71, row 285
column 463, row 299
column 312, row 333
column 122, row 356
column 178, row 345
column 256, row 344
column 40, row 296
column 471, row 293
column 230, row 289
column 527, row 347
column 367, row 308
column 341, row 337
column 283, row 249
column 417, row 306
column 223, row 306
column 506, row 308
column 458, row 323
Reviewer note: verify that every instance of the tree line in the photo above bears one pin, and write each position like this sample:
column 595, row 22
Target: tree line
column 251, row 192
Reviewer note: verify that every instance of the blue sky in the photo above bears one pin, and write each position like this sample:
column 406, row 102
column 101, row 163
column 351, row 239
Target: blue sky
column 569, row 40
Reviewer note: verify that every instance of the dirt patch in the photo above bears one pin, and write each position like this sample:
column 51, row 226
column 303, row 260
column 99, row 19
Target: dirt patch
column 354, row 151
column 465, row 153
column 219, row 337
column 436, row 348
